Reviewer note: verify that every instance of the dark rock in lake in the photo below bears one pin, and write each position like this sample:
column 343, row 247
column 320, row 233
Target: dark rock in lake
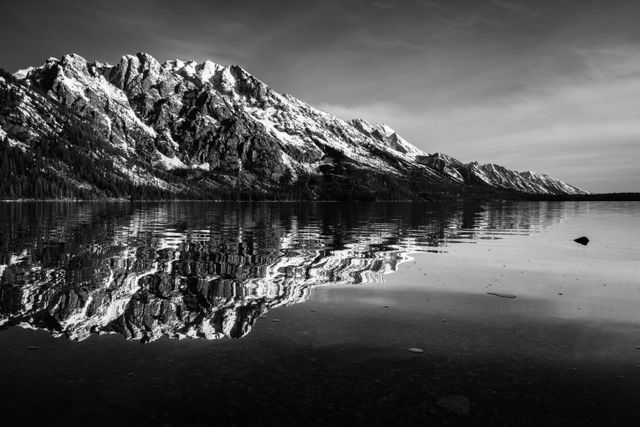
column 501, row 295
column 582, row 240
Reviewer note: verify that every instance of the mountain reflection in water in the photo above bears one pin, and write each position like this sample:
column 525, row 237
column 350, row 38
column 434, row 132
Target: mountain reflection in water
column 210, row 270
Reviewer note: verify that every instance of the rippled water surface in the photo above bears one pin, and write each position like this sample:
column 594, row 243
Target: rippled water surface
column 306, row 312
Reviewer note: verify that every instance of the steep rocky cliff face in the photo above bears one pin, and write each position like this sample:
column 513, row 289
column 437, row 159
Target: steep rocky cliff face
column 204, row 130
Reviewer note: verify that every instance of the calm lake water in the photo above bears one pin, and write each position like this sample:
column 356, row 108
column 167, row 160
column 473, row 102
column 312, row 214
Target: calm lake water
column 304, row 314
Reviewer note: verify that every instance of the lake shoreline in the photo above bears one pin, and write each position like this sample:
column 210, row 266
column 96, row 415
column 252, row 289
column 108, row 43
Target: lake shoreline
column 595, row 197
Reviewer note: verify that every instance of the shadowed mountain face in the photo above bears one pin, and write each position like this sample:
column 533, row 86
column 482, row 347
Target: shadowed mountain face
column 71, row 128
column 203, row 270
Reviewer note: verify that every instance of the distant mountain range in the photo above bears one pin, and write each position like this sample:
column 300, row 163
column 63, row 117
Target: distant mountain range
column 143, row 129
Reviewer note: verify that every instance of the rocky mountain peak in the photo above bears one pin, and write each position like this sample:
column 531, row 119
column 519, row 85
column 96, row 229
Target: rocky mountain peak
column 73, row 61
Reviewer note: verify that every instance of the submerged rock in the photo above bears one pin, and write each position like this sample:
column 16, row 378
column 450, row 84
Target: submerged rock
column 501, row 295
column 584, row 240
column 456, row 404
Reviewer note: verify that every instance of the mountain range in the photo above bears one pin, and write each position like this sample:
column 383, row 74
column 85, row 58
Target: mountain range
column 74, row 129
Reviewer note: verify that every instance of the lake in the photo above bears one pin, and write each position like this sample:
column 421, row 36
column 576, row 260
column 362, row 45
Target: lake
column 184, row 313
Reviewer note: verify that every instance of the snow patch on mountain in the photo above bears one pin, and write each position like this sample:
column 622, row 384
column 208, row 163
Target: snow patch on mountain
column 171, row 162
column 21, row 74
column 202, row 166
column 12, row 142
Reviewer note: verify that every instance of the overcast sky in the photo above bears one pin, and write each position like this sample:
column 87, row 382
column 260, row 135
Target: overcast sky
column 550, row 85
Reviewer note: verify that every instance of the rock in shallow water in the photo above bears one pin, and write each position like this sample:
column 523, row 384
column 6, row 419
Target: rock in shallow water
column 584, row 240
column 455, row 403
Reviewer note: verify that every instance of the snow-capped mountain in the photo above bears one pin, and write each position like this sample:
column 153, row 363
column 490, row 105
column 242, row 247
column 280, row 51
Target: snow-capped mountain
column 74, row 128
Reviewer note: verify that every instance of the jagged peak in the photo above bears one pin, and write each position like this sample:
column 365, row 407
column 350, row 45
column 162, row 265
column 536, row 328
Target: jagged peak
column 207, row 71
column 23, row 73
column 72, row 58
column 241, row 74
column 485, row 166
column 385, row 133
column 140, row 56
column 494, row 166
column 141, row 61
column 69, row 61
column 371, row 126
column 536, row 174
column 441, row 156
column 446, row 158
column 52, row 61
